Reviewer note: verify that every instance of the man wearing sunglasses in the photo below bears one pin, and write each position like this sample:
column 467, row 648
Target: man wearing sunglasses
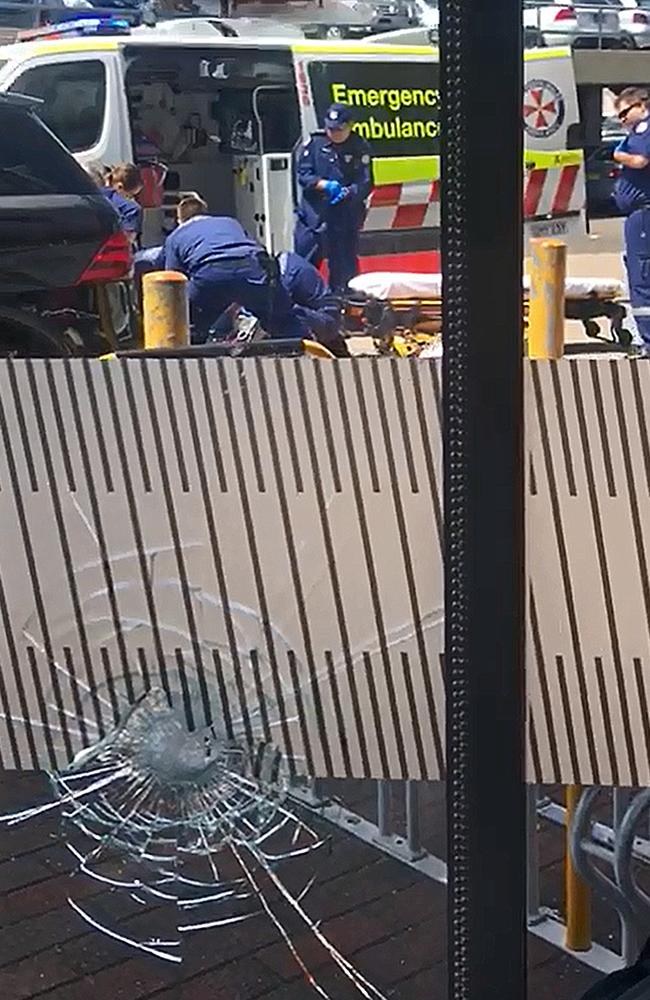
column 633, row 199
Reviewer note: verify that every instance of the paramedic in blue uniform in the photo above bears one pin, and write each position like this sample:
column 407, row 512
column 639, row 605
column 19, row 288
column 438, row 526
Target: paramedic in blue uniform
column 224, row 265
column 334, row 171
column 633, row 199
column 316, row 308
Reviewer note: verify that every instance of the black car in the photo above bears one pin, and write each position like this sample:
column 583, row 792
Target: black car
column 602, row 173
column 64, row 260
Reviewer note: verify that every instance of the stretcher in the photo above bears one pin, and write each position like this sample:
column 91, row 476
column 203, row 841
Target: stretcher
column 385, row 305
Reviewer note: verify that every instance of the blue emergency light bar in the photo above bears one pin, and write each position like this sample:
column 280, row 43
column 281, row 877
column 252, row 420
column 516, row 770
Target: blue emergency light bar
column 84, row 27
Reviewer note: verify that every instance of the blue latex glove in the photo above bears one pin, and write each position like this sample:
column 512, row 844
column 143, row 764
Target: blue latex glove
column 341, row 196
column 332, row 191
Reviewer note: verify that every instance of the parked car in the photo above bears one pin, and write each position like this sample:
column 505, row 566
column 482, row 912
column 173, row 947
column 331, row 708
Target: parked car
column 634, row 16
column 585, row 24
column 64, row 260
column 602, row 173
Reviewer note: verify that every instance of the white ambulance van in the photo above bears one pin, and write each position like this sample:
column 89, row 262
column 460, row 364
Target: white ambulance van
column 225, row 115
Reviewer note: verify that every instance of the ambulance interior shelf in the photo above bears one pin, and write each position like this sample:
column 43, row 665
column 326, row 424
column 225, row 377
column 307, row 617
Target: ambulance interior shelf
column 205, row 133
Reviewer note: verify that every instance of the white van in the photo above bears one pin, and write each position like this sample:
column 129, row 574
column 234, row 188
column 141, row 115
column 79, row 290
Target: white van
column 224, row 116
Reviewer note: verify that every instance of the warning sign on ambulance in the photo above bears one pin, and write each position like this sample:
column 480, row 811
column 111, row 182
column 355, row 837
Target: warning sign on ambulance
column 396, row 105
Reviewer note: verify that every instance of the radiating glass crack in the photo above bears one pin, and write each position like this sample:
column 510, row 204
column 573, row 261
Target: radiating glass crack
column 199, row 822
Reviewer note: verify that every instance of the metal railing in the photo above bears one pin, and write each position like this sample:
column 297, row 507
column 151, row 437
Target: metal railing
column 542, row 27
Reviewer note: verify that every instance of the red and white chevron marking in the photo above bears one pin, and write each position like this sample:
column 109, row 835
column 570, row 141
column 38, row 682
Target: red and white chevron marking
column 404, row 206
column 556, row 191
column 548, row 192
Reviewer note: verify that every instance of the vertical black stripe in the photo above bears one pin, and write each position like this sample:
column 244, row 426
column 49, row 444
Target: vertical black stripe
column 409, row 574
column 223, row 695
column 531, row 473
column 538, row 775
column 250, row 426
column 212, row 425
column 415, row 721
column 549, row 716
column 110, row 683
column 216, row 550
column 24, row 436
column 60, row 427
column 144, row 669
column 641, row 422
column 173, row 527
column 607, row 721
column 376, row 716
column 435, row 367
column 76, row 698
column 562, row 425
column 9, row 722
column 608, row 595
column 29, row 550
column 99, row 427
column 143, row 561
column 404, row 423
column 642, row 694
column 185, row 690
column 297, row 694
column 602, row 429
column 135, row 422
column 42, row 709
column 327, row 425
column 261, row 696
column 338, row 713
column 249, row 523
column 173, row 422
column 434, row 471
column 293, row 563
column 568, row 718
column 17, row 674
column 288, row 426
column 362, row 521
column 366, row 428
column 97, row 522
column 564, row 568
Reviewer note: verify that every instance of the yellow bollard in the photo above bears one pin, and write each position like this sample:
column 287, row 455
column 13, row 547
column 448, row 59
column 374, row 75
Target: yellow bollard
column 577, row 894
column 546, row 308
column 166, row 316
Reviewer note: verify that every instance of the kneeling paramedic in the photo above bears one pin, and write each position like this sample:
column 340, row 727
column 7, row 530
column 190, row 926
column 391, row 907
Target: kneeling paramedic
column 316, row 308
column 632, row 195
column 334, row 170
column 225, row 265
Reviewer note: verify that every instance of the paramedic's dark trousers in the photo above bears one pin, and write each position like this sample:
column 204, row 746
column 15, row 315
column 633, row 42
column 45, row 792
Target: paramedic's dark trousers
column 340, row 246
column 637, row 262
column 217, row 285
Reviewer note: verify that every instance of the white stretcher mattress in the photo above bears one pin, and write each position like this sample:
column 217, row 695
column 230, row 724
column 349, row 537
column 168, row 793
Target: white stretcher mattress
column 403, row 285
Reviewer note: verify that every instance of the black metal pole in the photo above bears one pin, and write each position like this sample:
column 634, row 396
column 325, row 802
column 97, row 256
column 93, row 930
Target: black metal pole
column 482, row 90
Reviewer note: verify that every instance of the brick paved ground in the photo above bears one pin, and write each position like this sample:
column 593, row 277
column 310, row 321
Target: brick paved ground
column 380, row 913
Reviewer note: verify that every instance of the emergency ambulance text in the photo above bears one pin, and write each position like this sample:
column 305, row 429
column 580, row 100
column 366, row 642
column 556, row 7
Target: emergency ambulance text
column 393, row 98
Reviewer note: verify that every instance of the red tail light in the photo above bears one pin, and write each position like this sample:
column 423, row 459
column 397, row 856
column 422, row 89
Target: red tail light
column 112, row 262
column 565, row 14
column 639, row 17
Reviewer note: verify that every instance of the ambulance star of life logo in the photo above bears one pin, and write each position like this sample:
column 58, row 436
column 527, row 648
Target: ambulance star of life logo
column 543, row 108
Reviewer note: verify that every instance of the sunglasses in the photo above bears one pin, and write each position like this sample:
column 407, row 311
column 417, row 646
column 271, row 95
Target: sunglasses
column 624, row 112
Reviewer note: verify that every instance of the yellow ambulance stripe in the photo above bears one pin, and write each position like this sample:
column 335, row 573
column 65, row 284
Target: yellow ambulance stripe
column 410, row 169
column 360, row 49
column 402, row 169
column 65, row 46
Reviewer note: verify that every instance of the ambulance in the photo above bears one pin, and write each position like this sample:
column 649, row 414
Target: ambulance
column 225, row 116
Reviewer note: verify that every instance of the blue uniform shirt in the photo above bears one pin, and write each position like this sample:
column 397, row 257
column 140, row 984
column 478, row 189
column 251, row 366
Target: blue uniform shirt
column 633, row 186
column 130, row 212
column 350, row 164
column 206, row 239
